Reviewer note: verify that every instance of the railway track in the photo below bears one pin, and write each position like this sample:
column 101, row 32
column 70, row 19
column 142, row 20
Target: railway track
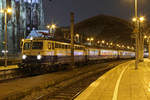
column 12, row 74
column 72, row 90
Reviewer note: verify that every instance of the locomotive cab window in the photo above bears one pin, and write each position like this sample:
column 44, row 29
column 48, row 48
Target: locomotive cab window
column 26, row 45
column 37, row 45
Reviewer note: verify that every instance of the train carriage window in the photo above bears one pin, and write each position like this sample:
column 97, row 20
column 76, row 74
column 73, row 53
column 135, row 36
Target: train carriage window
column 37, row 45
column 59, row 45
column 80, row 48
column 62, row 46
column 66, row 46
column 75, row 47
column 69, row 47
column 53, row 45
column 56, row 45
column 83, row 48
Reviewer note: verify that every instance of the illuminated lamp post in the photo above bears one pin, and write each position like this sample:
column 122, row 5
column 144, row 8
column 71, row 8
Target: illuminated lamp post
column 51, row 29
column 6, row 11
column 139, row 42
column 137, row 21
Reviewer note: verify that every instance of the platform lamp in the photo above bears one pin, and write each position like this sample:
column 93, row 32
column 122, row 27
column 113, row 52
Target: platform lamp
column 137, row 21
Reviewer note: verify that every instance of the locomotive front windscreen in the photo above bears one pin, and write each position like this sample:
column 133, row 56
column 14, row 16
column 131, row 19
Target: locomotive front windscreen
column 33, row 45
column 27, row 45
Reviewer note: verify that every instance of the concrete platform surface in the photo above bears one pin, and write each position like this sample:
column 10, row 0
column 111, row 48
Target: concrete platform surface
column 8, row 67
column 121, row 83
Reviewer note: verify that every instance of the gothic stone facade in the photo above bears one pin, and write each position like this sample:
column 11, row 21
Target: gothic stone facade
column 25, row 15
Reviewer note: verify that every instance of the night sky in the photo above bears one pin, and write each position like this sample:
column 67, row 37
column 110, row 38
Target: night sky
column 58, row 11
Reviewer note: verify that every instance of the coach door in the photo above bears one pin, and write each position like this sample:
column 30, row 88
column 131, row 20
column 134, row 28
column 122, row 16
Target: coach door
column 51, row 47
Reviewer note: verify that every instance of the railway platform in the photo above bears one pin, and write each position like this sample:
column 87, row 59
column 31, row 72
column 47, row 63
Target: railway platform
column 10, row 61
column 8, row 67
column 121, row 83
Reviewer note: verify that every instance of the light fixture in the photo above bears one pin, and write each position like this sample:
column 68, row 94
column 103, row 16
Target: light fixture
column 39, row 57
column 24, row 56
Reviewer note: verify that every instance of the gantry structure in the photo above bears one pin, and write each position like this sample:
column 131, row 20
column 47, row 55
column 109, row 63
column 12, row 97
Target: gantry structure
column 26, row 14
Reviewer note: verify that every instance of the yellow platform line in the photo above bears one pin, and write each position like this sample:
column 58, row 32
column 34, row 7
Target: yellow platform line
column 115, row 95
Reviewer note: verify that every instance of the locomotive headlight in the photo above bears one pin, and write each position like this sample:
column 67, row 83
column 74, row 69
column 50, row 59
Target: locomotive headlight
column 24, row 56
column 39, row 57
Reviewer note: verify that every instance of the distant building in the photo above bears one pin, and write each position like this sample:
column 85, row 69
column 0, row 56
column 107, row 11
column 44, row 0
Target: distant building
column 27, row 14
